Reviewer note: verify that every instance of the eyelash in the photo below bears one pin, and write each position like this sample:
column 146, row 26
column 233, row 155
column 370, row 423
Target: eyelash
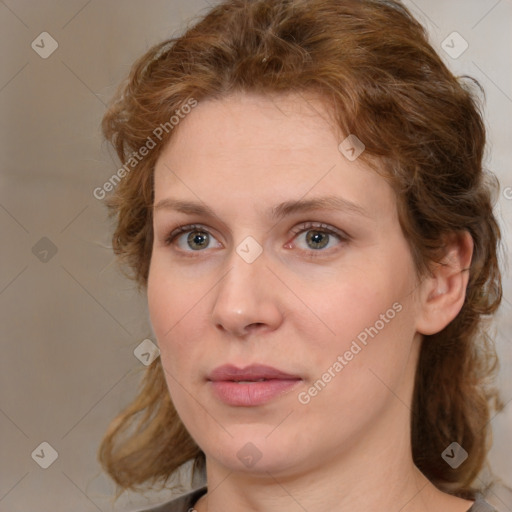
column 306, row 226
column 322, row 228
column 182, row 229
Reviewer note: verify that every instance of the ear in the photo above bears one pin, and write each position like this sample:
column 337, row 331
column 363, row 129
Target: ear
column 442, row 293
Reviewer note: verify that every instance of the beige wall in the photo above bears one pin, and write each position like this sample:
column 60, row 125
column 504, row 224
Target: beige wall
column 69, row 325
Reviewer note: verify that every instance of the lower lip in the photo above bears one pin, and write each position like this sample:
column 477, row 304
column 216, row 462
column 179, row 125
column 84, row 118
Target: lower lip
column 251, row 393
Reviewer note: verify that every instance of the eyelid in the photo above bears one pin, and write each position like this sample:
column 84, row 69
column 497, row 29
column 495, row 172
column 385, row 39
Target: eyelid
column 179, row 230
column 186, row 229
column 305, row 226
column 314, row 254
column 298, row 229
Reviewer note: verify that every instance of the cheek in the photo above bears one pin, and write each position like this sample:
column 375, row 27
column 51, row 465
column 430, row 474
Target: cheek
column 370, row 305
column 175, row 323
column 349, row 302
column 171, row 297
column 174, row 309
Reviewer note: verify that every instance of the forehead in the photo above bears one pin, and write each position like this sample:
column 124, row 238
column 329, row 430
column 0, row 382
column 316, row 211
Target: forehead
column 244, row 124
column 257, row 149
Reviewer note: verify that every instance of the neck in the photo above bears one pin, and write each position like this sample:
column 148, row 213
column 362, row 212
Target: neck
column 373, row 472
column 377, row 473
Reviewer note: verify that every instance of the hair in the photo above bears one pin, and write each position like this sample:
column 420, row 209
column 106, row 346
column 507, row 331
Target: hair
column 421, row 126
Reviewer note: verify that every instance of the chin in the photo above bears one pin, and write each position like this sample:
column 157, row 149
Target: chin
column 257, row 453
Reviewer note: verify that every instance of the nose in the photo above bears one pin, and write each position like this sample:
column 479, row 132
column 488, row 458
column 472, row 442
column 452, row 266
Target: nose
column 247, row 299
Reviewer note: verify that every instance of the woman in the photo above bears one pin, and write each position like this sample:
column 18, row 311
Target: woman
column 304, row 202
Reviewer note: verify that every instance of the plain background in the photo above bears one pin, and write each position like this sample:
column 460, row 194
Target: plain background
column 70, row 324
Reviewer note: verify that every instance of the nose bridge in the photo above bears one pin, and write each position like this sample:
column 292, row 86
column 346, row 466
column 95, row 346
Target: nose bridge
column 245, row 296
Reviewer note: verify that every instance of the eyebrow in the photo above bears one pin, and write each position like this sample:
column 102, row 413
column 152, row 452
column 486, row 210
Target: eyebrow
column 277, row 212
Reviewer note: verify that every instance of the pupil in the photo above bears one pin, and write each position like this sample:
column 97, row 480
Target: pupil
column 198, row 240
column 317, row 239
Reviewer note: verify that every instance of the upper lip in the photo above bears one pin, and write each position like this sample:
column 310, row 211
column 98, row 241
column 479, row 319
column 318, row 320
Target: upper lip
column 254, row 372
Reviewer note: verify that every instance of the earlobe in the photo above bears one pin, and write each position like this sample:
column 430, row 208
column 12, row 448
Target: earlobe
column 442, row 293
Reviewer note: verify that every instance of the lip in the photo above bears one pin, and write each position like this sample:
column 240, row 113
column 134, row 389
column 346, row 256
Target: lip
column 226, row 385
column 252, row 372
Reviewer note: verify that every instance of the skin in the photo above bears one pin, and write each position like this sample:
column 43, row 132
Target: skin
column 296, row 308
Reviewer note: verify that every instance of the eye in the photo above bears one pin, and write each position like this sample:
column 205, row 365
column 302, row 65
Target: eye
column 192, row 238
column 312, row 236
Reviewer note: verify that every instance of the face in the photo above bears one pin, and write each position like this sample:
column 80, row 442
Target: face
column 273, row 250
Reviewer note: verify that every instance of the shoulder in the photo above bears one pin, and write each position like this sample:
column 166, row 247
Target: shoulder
column 181, row 504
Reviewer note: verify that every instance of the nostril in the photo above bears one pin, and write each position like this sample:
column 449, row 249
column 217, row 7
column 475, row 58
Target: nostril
column 255, row 325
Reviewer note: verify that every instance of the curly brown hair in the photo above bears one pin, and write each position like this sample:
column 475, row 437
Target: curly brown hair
column 371, row 60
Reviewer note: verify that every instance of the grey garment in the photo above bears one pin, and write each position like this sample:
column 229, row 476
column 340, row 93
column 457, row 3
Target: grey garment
column 183, row 503
column 186, row 503
column 481, row 505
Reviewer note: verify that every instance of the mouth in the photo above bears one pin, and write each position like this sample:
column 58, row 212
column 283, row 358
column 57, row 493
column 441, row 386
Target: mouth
column 252, row 373
column 250, row 386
